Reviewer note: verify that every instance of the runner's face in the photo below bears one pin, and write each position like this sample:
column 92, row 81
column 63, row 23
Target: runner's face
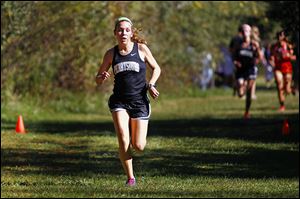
column 247, row 32
column 123, row 32
column 281, row 36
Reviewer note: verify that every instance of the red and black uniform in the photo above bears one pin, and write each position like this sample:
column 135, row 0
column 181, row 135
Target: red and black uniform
column 282, row 62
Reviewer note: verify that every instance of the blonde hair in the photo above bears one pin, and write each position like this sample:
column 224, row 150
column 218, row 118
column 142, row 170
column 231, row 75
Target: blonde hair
column 136, row 37
column 135, row 31
column 255, row 33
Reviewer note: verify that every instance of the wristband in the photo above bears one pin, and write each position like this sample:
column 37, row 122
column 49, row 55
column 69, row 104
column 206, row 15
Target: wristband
column 151, row 85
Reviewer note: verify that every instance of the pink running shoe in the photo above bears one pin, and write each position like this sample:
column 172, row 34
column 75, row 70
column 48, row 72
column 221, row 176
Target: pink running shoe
column 246, row 115
column 131, row 182
column 282, row 108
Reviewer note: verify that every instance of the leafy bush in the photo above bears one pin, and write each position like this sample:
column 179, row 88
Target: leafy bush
column 49, row 45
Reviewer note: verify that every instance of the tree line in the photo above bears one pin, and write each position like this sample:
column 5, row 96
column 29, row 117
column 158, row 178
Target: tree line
column 59, row 45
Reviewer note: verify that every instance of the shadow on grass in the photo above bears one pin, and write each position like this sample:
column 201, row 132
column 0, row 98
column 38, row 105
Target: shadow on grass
column 268, row 129
column 257, row 129
column 60, row 163
column 64, row 127
column 256, row 162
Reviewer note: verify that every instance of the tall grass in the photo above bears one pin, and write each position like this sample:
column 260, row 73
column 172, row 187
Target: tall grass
column 198, row 146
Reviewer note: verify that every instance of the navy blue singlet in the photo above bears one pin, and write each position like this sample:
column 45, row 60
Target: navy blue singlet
column 247, row 56
column 130, row 75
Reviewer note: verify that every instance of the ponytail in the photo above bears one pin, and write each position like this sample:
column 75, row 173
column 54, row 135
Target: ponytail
column 136, row 38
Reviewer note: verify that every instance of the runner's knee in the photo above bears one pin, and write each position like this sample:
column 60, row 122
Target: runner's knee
column 139, row 146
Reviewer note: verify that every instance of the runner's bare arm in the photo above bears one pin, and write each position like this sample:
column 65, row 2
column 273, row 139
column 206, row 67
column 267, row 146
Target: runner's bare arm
column 104, row 67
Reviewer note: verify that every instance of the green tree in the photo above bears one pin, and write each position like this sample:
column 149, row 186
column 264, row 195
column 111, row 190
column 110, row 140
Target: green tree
column 59, row 45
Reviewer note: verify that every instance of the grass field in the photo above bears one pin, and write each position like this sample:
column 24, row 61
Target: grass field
column 198, row 146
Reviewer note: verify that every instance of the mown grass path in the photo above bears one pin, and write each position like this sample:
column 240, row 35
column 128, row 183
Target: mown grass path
column 197, row 147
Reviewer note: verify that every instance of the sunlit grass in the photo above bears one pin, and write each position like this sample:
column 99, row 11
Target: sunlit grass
column 197, row 146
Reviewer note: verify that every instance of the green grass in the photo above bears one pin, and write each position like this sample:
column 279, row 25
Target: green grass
column 198, row 146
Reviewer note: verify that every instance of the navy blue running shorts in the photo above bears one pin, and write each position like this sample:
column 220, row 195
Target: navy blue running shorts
column 136, row 109
column 247, row 73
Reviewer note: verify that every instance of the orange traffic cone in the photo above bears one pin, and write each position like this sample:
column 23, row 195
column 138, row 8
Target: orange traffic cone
column 285, row 127
column 20, row 125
